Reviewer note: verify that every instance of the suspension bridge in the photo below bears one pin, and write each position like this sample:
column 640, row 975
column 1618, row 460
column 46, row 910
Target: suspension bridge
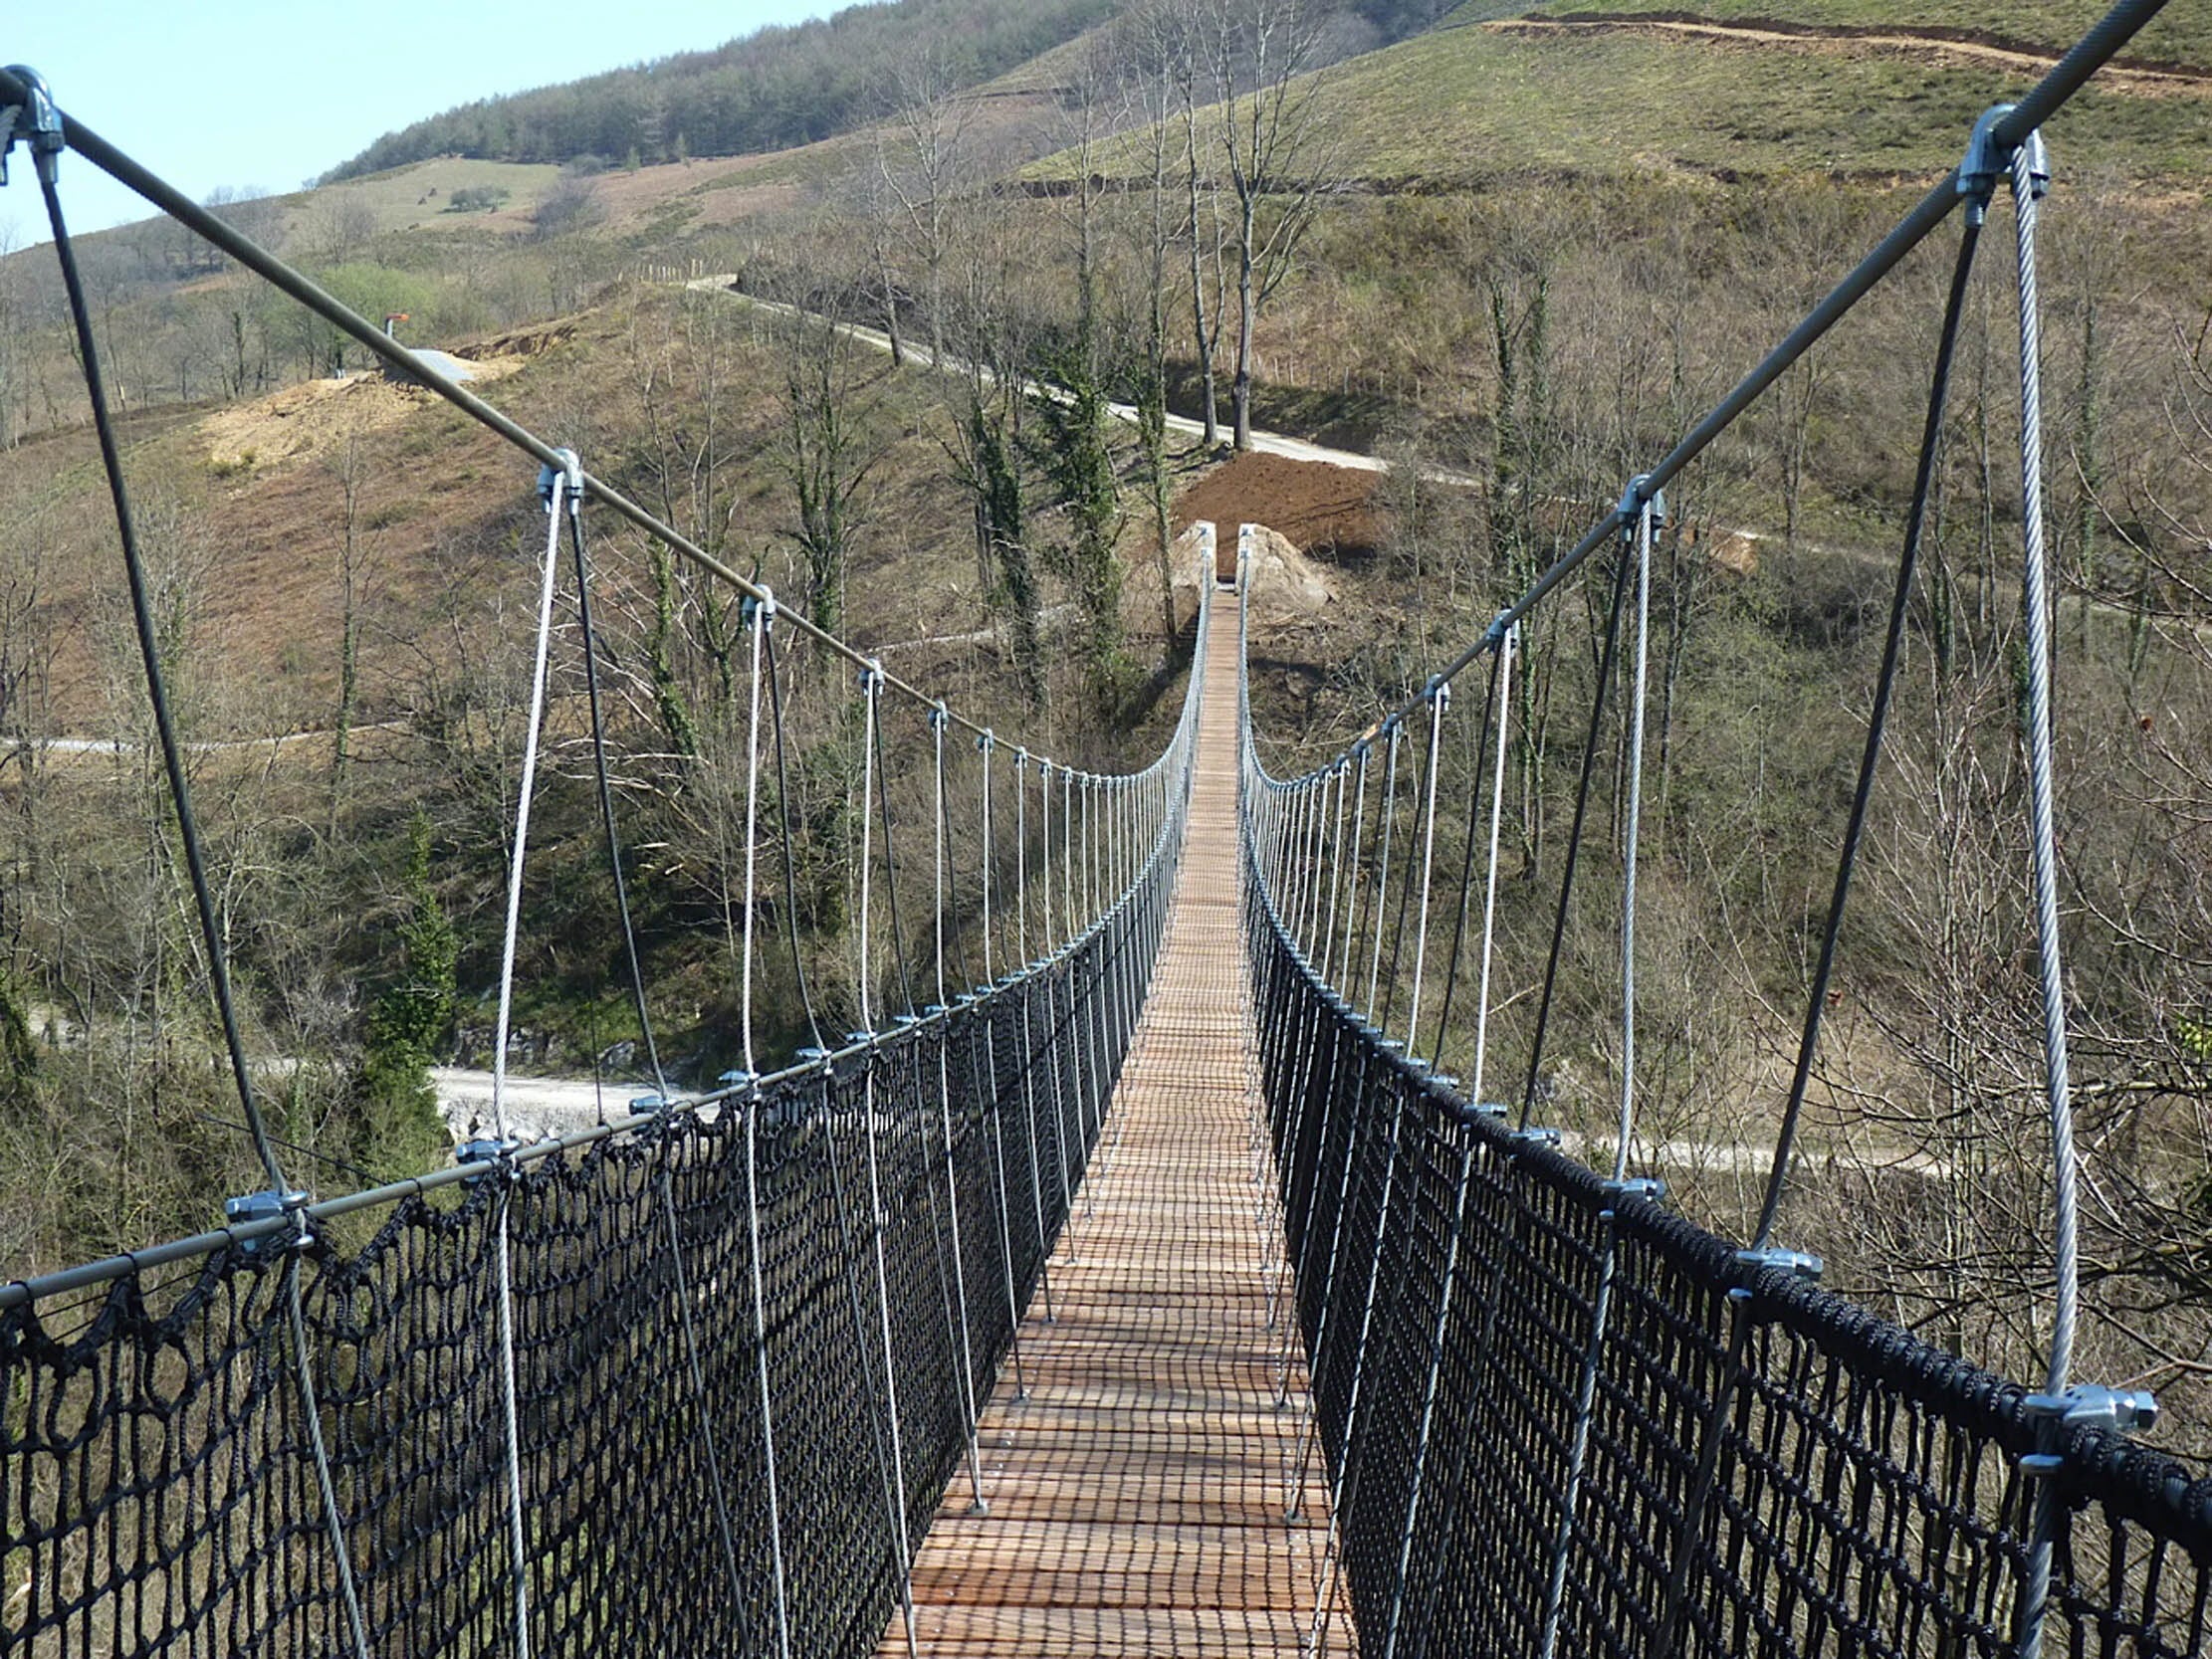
column 1135, row 1278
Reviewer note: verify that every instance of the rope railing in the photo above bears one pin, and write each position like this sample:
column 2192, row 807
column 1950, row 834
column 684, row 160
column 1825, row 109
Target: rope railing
column 1558, row 1418
column 611, row 1390
column 822, row 1220
column 159, row 1483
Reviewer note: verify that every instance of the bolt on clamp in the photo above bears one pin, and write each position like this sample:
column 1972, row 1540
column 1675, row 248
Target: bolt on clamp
column 250, row 1207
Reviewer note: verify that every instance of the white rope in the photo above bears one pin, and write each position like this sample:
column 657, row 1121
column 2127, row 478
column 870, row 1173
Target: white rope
column 1440, row 700
column 951, row 1185
column 764, row 615
column 871, row 682
column 1381, row 874
column 2027, row 188
column 518, row 1532
column 1336, row 877
column 1504, row 694
column 1021, row 938
column 996, row 1119
column 1601, row 1306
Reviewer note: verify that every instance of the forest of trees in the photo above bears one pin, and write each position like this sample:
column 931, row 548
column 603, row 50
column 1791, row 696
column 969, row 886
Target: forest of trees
column 785, row 87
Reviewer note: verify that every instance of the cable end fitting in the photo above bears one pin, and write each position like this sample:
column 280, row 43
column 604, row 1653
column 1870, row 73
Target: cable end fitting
column 986, row 740
column 1646, row 1188
column 1796, row 1262
column 36, row 122
column 1990, row 158
column 489, row 1156
column 1633, row 500
column 760, row 605
column 250, row 1207
column 568, row 475
column 2121, row 1411
column 1499, row 633
column 871, row 677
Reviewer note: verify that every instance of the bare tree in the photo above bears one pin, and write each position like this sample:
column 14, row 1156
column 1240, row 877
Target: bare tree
column 1266, row 60
column 1152, row 51
column 1182, row 43
column 919, row 165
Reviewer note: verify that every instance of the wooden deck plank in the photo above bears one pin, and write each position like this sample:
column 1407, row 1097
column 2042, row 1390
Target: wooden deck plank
column 1138, row 1496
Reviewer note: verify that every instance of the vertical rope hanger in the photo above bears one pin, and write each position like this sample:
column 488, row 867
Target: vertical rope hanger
column 46, row 140
column 763, row 619
column 990, row 1093
column 1500, row 702
column 601, row 772
column 870, row 688
column 1344, row 1488
column 557, row 489
column 1669, row 1639
column 977, row 1504
column 1648, row 512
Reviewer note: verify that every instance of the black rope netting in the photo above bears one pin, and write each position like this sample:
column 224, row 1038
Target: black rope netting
column 1771, row 1470
column 157, row 1492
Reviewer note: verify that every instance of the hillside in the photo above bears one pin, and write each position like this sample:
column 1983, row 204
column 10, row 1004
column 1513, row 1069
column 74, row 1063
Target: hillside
column 775, row 89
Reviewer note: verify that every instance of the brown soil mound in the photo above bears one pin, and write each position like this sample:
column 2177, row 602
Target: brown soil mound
column 1324, row 510
column 318, row 416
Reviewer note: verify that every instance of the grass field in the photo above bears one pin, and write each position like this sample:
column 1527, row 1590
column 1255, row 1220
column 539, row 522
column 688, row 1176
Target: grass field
column 2181, row 34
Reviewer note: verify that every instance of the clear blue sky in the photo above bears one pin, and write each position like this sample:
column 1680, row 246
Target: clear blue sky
column 272, row 93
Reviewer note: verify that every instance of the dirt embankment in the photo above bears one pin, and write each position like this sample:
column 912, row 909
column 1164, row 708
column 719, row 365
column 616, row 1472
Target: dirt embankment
column 1325, row 511
column 1933, row 42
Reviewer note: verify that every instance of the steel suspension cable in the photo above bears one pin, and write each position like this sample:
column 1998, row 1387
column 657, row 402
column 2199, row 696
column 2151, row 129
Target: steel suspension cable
column 784, row 834
column 1498, row 704
column 761, row 621
column 1669, row 1635
column 667, row 1183
column 1467, row 868
column 870, row 690
column 2029, row 178
column 1378, row 900
column 45, row 152
column 1555, row 1591
column 1892, row 652
column 977, row 1504
column 1600, row 692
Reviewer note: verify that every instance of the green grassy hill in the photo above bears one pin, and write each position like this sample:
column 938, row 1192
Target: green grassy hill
column 1509, row 96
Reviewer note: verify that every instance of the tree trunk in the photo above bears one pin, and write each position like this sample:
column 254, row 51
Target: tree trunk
column 1241, row 393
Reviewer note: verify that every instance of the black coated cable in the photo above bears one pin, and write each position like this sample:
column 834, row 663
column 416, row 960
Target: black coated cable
column 1406, row 887
column 180, row 790
column 890, row 872
column 679, row 1279
column 1932, row 443
column 607, row 788
column 1467, row 861
column 1598, row 700
column 783, row 825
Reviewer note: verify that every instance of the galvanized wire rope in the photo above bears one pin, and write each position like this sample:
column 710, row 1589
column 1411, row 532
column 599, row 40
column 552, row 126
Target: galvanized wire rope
column 686, row 1311
column 1601, row 1306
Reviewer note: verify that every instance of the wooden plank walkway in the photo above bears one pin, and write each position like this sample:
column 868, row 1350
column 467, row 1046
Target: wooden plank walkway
column 1138, row 1496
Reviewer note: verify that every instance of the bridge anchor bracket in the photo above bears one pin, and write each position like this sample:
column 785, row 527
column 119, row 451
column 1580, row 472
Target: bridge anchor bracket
column 1987, row 160
column 250, row 1207
column 2123, row 1412
column 33, row 122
